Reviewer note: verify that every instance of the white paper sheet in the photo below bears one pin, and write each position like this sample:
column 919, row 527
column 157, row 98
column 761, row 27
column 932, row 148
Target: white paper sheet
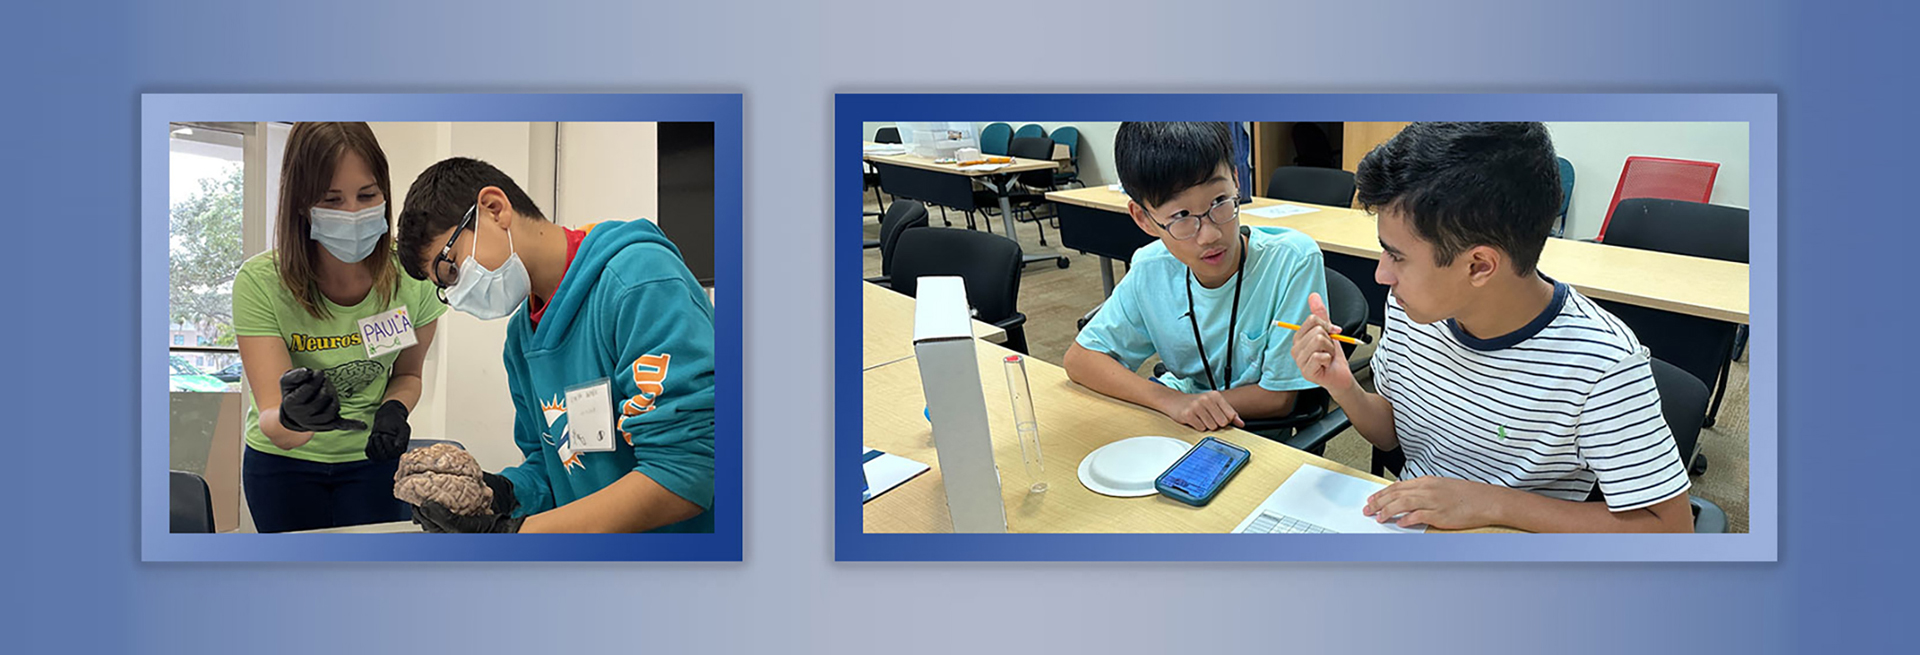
column 983, row 168
column 1280, row 211
column 1327, row 499
column 888, row 471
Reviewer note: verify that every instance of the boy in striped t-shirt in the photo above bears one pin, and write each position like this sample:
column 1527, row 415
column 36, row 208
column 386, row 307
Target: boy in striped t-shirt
column 1511, row 395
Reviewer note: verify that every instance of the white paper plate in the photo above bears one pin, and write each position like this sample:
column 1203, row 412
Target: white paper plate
column 1127, row 468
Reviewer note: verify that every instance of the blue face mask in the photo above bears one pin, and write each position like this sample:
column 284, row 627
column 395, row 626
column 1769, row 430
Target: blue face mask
column 350, row 236
column 490, row 294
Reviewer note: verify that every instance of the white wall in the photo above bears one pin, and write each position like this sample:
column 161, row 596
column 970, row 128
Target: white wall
column 1096, row 146
column 608, row 171
column 1599, row 150
column 465, row 396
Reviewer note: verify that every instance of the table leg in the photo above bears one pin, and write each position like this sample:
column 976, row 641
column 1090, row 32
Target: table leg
column 1006, row 218
column 1106, row 277
column 1006, row 210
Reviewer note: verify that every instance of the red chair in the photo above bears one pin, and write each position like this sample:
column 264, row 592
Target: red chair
column 1660, row 177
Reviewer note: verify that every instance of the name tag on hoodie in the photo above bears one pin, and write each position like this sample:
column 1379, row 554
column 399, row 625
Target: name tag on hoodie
column 590, row 417
column 388, row 332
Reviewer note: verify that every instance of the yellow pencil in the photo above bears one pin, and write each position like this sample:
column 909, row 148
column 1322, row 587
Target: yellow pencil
column 1336, row 337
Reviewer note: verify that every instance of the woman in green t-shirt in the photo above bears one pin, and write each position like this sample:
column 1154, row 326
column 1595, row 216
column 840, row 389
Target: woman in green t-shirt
column 332, row 339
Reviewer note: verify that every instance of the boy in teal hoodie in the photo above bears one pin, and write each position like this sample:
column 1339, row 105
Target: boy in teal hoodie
column 609, row 357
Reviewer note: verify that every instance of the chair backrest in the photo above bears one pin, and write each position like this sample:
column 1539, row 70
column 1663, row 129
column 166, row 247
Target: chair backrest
column 1034, row 147
column 887, row 135
column 1346, row 307
column 1070, row 137
column 1683, row 402
column 1661, row 177
column 1030, row 129
column 1682, row 228
column 901, row 216
column 1320, row 186
column 989, row 263
column 1566, row 185
column 1312, row 146
column 191, row 503
column 994, row 139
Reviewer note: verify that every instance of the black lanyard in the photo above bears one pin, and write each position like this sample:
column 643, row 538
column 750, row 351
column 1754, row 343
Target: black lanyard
column 1233, row 319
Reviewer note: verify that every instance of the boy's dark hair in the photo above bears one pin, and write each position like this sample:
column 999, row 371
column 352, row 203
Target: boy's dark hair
column 1463, row 185
column 1157, row 161
column 439, row 200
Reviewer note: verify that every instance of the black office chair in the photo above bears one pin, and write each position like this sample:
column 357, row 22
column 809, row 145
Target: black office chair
column 190, row 503
column 870, row 179
column 1033, row 184
column 1313, row 147
column 887, row 135
column 1683, row 402
column 989, row 264
column 1686, row 228
column 1319, row 186
column 1680, row 227
column 903, row 215
column 1312, row 423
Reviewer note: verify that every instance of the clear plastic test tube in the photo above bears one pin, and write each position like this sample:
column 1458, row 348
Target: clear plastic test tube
column 1025, row 422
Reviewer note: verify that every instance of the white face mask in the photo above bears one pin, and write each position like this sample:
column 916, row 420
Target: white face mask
column 350, row 236
column 488, row 295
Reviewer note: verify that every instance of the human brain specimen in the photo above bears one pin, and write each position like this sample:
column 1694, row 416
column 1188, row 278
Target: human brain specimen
column 445, row 474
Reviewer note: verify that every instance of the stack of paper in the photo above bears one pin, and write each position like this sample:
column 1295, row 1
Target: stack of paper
column 1280, row 211
column 886, row 471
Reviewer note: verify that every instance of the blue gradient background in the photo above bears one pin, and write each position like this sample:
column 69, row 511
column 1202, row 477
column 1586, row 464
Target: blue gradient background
column 75, row 583
column 1756, row 110
column 157, row 110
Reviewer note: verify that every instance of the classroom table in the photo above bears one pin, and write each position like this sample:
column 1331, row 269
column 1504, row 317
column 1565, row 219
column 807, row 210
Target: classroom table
column 1686, row 310
column 393, row 527
column 919, row 178
column 887, row 324
column 1713, row 289
column 1073, row 422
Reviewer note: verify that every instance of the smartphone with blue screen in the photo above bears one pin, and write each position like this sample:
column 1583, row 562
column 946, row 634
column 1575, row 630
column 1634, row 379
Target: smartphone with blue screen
column 1202, row 472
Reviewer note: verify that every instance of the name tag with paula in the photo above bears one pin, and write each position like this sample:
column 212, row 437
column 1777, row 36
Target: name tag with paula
column 387, row 332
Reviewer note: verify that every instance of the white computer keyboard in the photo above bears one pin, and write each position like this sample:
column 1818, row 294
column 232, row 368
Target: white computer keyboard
column 1272, row 523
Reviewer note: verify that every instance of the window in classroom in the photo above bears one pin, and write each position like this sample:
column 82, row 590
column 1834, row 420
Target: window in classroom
column 205, row 199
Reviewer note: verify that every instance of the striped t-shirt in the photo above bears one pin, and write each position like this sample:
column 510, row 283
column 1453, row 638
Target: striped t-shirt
column 1552, row 408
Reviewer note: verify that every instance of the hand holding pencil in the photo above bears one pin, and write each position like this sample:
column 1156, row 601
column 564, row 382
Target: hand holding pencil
column 1321, row 360
column 1336, row 337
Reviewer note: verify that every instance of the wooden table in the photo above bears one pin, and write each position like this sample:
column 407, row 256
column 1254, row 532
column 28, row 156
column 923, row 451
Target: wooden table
column 887, row 325
column 919, row 178
column 394, row 527
column 1073, row 422
column 1707, row 288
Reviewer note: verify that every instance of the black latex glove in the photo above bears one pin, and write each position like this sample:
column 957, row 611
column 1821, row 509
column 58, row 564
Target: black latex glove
column 504, row 502
column 308, row 403
column 435, row 517
column 390, row 431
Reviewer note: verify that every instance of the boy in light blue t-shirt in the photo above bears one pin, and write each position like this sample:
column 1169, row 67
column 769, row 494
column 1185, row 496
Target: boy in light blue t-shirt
column 1206, row 296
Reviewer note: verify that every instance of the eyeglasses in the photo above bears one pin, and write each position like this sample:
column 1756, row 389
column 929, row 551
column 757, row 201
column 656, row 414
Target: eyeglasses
column 1186, row 226
column 447, row 271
